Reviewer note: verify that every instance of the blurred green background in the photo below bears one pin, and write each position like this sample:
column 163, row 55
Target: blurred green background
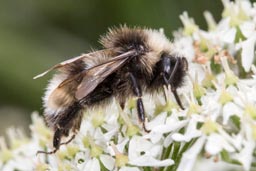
column 36, row 34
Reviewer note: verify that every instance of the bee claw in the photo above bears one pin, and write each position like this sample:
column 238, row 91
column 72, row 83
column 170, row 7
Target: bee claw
column 45, row 152
column 144, row 128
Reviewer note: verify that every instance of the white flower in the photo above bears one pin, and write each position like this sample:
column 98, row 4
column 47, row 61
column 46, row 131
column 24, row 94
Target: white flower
column 172, row 123
column 108, row 161
column 191, row 132
column 129, row 169
column 245, row 156
column 189, row 157
column 247, row 28
column 248, row 51
column 92, row 165
column 210, row 20
column 120, row 146
column 189, row 24
column 150, row 161
column 184, row 45
column 216, row 143
column 144, row 153
column 229, row 110
column 219, row 115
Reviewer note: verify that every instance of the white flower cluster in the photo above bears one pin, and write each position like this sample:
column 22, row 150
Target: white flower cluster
column 219, row 121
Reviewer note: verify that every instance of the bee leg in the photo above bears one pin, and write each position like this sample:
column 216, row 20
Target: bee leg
column 68, row 141
column 140, row 107
column 121, row 103
column 174, row 70
column 75, row 129
column 56, row 142
column 168, row 81
column 173, row 89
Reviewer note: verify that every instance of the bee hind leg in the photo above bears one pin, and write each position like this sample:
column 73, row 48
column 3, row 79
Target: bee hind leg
column 56, row 142
column 68, row 141
column 140, row 107
column 76, row 127
column 46, row 152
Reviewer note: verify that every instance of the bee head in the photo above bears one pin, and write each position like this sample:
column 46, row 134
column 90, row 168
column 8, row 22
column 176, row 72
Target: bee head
column 174, row 68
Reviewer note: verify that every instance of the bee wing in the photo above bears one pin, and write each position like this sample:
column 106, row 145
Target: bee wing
column 95, row 75
column 64, row 63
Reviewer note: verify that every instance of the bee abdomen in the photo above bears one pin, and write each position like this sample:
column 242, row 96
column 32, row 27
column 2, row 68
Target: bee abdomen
column 64, row 119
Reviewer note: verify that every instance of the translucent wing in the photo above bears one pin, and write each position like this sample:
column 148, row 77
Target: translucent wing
column 95, row 75
column 64, row 63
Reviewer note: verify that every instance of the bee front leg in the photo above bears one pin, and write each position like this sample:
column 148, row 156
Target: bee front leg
column 168, row 78
column 140, row 107
column 174, row 91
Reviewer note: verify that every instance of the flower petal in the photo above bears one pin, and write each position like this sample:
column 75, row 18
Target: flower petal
column 216, row 143
column 150, row 161
column 93, row 164
column 189, row 157
column 191, row 132
column 230, row 109
column 247, row 28
column 107, row 161
column 129, row 169
column 248, row 52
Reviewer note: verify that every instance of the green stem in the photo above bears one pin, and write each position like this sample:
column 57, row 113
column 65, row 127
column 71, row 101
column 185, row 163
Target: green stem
column 147, row 169
column 176, row 150
column 174, row 156
column 226, row 158
column 184, row 148
column 102, row 167
column 166, row 154
column 253, row 165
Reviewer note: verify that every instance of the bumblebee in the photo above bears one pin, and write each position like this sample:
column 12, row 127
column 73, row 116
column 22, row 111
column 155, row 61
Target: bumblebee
column 133, row 61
